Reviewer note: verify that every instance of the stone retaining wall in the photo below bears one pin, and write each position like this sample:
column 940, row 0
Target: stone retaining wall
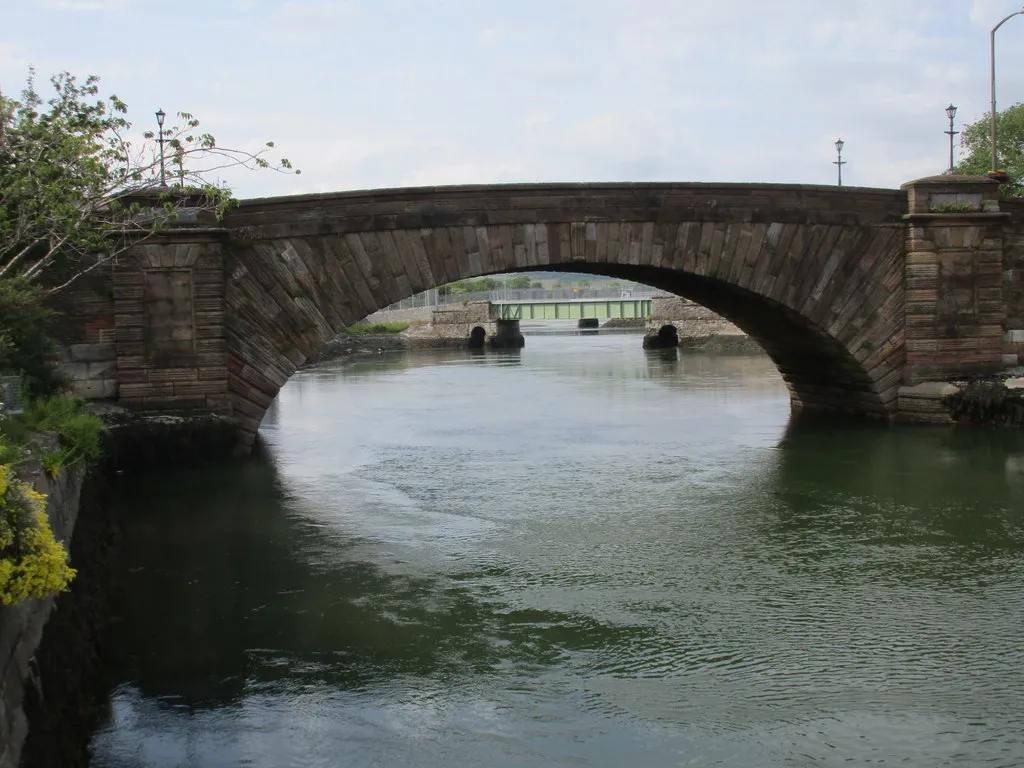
column 410, row 315
column 693, row 322
column 452, row 324
column 21, row 625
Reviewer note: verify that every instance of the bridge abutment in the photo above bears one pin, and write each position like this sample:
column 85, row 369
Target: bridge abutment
column 954, row 307
column 169, row 324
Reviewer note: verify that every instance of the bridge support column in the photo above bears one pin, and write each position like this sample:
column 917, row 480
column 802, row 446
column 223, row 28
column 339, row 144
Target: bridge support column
column 953, row 278
column 508, row 335
column 169, row 322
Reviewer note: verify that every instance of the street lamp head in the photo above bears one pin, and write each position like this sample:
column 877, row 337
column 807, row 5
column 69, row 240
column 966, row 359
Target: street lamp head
column 950, row 111
column 160, row 115
column 839, row 145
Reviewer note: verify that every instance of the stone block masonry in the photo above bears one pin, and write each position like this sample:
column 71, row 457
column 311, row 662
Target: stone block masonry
column 853, row 293
column 954, row 311
column 693, row 322
column 453, row 324
column 1013, row 283
column 169, row 323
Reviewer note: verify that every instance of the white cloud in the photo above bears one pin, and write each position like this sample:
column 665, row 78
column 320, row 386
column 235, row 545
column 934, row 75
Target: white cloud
column 371, row 93
column 85, row 5
column 305, row 21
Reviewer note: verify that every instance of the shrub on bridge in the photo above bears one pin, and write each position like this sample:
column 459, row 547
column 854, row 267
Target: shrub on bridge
column 33, row 564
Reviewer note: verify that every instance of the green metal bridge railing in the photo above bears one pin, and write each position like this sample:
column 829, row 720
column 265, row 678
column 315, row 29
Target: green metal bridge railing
column 572, row 309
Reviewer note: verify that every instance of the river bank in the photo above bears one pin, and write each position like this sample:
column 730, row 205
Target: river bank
column 65, row 691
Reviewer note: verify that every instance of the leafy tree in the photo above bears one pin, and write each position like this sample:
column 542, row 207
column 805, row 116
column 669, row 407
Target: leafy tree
column 26, row 347
column 479, row 285
column 519, row 281
column 976, row 141
column 72, row 171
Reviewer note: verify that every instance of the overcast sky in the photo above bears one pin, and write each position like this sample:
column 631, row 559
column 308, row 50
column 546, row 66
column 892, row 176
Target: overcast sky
column 380, row 93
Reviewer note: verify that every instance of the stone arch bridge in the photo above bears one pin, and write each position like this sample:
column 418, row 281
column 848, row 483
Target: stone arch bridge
column 854, row 293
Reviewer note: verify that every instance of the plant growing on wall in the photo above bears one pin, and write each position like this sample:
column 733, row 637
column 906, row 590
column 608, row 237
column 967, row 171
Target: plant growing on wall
column 33, row 563
column 72, row 170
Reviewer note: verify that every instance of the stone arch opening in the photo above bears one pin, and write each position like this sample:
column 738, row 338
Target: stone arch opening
column 813, row 275
column 666, row 337
column 822, row 370
column 477, row 337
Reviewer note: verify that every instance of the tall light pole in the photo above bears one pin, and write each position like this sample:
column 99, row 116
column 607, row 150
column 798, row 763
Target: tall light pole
column 992, row 50
column 951, row 113
column 839, row 162
column 160, row 115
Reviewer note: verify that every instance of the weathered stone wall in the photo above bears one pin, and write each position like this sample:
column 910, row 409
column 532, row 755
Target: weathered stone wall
column 169, row 309
column 1013, row 282
column 692, row 321
column 85, row 325
column 452, row 324
column 21, row 626
column 954, row 279
column 469, row 313
column 410, row 315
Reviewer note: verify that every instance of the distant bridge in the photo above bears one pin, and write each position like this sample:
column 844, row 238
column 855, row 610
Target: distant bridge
column 570, row 309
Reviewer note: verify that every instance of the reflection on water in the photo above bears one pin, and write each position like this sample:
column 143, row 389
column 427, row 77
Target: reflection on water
column 576, row 554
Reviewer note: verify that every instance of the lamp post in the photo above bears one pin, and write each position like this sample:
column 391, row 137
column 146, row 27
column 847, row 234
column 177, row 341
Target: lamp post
column 160, row 115
column 992, row 50
column 951, row 113
column 839, row 162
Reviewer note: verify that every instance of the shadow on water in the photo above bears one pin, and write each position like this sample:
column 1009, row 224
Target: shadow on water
column 227, row 592
column 598, row 549
column 945, row 503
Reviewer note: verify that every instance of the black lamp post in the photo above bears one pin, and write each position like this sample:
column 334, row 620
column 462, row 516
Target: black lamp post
column 839, row 162
column 160, row 115
column 951, row 113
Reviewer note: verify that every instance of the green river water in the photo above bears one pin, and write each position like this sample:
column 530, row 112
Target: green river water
column 580, row 554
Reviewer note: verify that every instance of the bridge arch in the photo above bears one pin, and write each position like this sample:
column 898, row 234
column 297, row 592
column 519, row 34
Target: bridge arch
column 814, row 274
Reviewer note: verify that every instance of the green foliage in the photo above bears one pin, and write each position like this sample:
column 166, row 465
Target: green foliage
column 375, row 328
column 477, row 285
column 52, row 462
column 25, row 344
column 988, row 403
column 11, row 451
column 518, row 282
column 953, row 208
column 80, row 432
column 976, row 142
column 71, row 177
column 33, row 564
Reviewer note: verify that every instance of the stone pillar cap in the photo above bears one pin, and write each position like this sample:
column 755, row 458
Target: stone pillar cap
column 948, row 180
